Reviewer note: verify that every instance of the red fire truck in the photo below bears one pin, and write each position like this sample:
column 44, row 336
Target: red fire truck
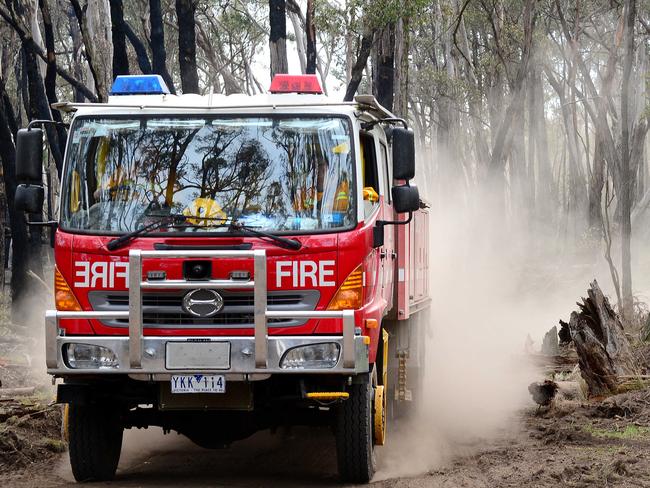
column 227, row 264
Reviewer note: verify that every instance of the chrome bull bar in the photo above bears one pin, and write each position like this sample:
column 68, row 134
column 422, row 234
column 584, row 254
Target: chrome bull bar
column 261, row 314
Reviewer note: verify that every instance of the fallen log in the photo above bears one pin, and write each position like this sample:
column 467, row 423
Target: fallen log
column 604, row 353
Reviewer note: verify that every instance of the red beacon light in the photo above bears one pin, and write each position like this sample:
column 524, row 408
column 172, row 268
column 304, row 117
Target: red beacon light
column 283, row 83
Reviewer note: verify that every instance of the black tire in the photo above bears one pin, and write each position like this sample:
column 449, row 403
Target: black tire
column 354, row 436
column 95, row 437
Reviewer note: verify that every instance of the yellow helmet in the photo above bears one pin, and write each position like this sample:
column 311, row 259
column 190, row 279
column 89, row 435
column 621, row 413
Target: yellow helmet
column 208, row 209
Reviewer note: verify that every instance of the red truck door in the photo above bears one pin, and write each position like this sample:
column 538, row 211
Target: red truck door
column 376, row 175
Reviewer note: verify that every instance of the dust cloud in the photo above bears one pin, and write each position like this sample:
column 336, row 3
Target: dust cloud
column 495, row 283
column 28, row 325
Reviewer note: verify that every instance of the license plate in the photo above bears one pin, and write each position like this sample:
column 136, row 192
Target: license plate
column 197, row 356
column 198, row 383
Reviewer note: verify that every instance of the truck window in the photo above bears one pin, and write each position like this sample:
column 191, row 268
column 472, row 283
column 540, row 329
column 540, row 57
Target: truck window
column 282, row 174
column 370, row 175
column 383, row 157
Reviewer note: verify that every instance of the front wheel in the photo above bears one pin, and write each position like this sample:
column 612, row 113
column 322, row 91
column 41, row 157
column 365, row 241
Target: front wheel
column 354, row 435
column 95, row 437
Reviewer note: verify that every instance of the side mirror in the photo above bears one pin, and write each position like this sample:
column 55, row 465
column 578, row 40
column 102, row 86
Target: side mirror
column 405, row 198
column 29, row 199
column 403, row 154
column 29, row 156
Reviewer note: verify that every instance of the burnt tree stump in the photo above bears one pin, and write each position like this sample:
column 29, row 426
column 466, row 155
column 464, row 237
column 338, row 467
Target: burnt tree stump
column 604, row 353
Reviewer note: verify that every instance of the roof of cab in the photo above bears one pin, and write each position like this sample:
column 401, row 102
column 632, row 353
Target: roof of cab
column 217, row 102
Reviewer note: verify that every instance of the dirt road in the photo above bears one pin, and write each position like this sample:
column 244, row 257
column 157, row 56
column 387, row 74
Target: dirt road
column 576, row 445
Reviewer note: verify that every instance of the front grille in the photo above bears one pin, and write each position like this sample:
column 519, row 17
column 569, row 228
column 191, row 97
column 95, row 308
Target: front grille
column 164, row 309
column 166, row 300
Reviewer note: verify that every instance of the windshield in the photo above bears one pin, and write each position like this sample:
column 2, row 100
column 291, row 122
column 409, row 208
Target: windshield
column 271, row 173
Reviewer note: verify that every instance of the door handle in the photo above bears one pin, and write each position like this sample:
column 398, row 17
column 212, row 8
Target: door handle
column 382, row 254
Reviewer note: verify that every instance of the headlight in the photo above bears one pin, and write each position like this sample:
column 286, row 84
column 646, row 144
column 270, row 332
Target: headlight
column 88, row 356
column 313, row 356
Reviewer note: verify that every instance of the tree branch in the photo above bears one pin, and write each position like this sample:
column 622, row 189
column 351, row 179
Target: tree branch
column 29, row 43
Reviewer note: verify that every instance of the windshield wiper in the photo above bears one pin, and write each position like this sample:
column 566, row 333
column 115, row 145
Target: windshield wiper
column 172, row 219
column 285, row 242
column 178, row 219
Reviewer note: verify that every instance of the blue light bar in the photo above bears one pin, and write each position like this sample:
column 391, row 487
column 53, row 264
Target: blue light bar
column 139, row 85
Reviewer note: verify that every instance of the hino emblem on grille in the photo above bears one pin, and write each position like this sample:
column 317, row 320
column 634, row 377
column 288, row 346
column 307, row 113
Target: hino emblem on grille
column 202, row 303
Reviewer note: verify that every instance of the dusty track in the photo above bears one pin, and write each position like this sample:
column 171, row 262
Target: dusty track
column 602, row 444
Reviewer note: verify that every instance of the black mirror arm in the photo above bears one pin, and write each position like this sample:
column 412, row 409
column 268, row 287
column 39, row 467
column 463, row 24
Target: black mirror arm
column 49, row 223
column 395, row 222
column 45, row 121
column 387, row 120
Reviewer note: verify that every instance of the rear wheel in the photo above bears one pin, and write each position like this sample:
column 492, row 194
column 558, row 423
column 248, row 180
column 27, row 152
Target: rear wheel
column 354, row 434
column 95, row 437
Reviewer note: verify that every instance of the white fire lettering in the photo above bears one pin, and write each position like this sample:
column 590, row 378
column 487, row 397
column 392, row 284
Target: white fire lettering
column 304, row 273
column 279, row 274
column 121, row 274
column 100, row 274
column 322, row 273
column 83, row 272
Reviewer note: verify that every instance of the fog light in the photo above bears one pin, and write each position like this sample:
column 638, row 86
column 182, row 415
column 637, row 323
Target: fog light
column 89, row 356
column 313, row 356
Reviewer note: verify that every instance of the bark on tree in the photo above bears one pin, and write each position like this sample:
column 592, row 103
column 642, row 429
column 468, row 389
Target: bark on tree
column 625, row 171
column 310, row 30
column 95, row 23
column 356, row 73
column 185, row 11
column 604, row 353
column 299, row 27
column 384, row 66
column 402, row 44
column 19, row 238
column 140, row 50
column 8, row 158
column 158, row 52
column 503, row 135
column 278, row 37
column 120, row 55
column 596, row 184
column 50, row 80
column 28, row 44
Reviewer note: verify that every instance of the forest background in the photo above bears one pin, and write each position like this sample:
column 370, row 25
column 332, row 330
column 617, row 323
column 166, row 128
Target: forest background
column 530, row 115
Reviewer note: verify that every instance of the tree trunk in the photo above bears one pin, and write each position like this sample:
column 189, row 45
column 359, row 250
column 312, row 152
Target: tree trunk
column 158, row 53
column 50, row 83
column 74, row 32
column 8, row 159
column 384, row 67
column 140, row 50
column 185, row 11
column 503, row 136
column 365, row 46
column 596, row 184
column 545, row 190
column 402, row 42
column 20, row 250
column 278, row 37
column 299, row 23
column 625, row 172
column 310, row 30
column 604, row 353
column 95, row 23
column 120, row 55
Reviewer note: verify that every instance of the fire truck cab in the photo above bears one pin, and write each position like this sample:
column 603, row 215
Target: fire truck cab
column 227, row 264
